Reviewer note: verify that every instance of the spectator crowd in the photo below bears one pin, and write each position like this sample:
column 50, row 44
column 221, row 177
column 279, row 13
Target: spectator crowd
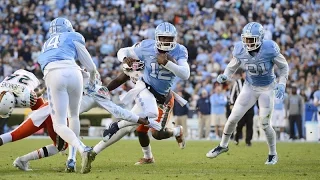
column 208, row 28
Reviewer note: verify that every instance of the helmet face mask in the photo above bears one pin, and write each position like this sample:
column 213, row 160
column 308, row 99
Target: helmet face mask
column 251, row 42
column 166, row 36
column 252, row 36
column 60, row 25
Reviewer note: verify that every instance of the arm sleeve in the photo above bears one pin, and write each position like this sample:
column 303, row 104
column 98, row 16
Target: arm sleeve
column 182, row 69
column 127, row 52
column 282, row 64
column 232, row 67
column 84, row 56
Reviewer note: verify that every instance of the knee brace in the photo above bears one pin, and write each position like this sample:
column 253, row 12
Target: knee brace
column 265, row 116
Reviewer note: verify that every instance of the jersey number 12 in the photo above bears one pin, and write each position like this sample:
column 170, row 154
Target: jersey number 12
column 162, row 74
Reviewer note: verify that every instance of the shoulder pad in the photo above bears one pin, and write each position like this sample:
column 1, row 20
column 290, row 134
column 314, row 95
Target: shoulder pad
column 146, row 43
column 238, row 48
column 271, row 47
column 75, row 36
column 182, row 50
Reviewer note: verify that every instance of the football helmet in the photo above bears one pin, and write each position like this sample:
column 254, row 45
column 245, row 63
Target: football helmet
column 60, row 25
column 168, row 30
column 7, row 103
column 252, row 36
column 135, row 65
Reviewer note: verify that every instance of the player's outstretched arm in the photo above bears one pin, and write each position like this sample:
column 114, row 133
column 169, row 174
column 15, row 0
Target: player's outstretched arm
column 283, row 66
column 232, row 67
column 115, row 83
column 85, row 59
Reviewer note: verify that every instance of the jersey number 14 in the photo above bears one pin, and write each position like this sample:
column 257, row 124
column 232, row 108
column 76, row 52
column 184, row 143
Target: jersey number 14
column 51, row 43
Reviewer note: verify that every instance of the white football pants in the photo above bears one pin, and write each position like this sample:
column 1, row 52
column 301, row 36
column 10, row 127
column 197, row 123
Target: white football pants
column 65, row 87
column 246, row 99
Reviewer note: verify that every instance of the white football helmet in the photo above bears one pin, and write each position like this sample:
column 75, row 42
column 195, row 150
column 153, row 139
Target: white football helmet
column 7, row 103
column 168, row 30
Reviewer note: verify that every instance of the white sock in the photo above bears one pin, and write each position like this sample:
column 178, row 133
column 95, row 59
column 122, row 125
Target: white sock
column 46, row 151
column 123, row 124
column 72, row 153
column 74, row 125
column 271, row 140
column 6, row 138
column 227, row 132
column 116, row 137
column 176, row 131
column 147, row 154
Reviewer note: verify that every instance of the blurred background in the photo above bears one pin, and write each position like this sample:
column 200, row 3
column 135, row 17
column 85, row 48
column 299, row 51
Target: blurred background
column 208, row 28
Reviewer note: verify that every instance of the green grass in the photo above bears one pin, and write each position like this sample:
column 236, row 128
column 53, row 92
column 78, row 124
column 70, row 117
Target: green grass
column 297, row 161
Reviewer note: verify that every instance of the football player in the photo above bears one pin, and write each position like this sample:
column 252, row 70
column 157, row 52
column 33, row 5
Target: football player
column 64, row 80
column 257, row 56
column 41, row 118
column 164, row 60
column 18, row 90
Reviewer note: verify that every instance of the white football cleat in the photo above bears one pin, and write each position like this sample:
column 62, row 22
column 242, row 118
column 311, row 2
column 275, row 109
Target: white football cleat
column 272, row 160
column 216, row 151
column 22, row 165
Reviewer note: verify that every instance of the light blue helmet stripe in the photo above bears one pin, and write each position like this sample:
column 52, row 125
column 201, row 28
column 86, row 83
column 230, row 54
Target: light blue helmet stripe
column 167, row 27
column 250, row 25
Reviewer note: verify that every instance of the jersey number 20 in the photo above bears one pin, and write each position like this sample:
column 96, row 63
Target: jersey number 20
column 51, row 43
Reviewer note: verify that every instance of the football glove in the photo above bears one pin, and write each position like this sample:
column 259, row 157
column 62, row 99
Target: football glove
column 280, row 90
column 222, row 78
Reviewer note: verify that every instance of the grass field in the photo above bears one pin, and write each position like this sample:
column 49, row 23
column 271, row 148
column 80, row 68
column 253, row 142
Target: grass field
column 297, row 161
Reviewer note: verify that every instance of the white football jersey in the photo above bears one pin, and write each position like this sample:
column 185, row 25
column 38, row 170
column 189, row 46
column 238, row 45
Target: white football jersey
column 134, row 75
column 22, row 83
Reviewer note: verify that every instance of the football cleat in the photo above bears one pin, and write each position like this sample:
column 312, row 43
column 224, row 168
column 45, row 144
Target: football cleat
column 108, row 133
column 272, row 160
column 88, row 157
column 143, row 161
column 216, row 151
column 22, row 165
column 70, row 165
column 180, row 137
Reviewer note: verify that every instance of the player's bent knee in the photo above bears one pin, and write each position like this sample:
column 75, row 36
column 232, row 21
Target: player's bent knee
column 57, row 127
column 156, row 135
column 265, row 122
